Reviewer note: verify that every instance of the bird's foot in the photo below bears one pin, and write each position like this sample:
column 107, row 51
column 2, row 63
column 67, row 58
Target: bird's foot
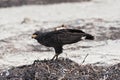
column 52, row 59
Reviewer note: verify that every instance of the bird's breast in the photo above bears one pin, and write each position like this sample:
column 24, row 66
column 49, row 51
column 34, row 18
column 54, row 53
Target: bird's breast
column 46, row 42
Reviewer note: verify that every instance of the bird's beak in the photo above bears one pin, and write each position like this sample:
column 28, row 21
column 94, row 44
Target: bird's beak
column 34, row 36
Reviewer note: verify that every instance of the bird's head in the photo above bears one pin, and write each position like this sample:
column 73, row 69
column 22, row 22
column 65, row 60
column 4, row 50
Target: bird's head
column 36, row 34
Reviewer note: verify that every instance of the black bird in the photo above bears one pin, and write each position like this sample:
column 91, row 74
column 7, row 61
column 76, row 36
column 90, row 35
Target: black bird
column 58, row 38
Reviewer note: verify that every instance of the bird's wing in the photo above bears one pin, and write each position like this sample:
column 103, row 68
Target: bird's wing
column 75, row 31
column 68, row 37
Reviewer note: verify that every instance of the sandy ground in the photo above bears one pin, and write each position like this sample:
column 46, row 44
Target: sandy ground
column 100, row 18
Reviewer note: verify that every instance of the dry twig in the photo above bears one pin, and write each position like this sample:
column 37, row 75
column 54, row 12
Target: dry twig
column 84, row 59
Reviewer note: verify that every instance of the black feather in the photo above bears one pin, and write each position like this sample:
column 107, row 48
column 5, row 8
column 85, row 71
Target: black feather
column 57, row 39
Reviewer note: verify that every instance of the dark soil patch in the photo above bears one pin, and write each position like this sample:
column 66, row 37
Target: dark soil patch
column 9, row 3
column 62, row 69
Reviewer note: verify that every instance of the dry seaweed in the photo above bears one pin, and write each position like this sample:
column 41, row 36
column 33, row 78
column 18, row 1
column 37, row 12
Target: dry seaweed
column 62, row 69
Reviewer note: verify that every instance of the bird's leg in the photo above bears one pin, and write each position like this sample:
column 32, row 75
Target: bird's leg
column 56, row 56
column 53, row 57
column 58, row 50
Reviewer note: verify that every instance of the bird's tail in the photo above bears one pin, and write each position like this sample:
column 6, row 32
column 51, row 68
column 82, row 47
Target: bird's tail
column 89, row 37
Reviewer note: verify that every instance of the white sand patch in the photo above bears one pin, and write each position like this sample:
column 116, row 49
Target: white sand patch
column 48, row 16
